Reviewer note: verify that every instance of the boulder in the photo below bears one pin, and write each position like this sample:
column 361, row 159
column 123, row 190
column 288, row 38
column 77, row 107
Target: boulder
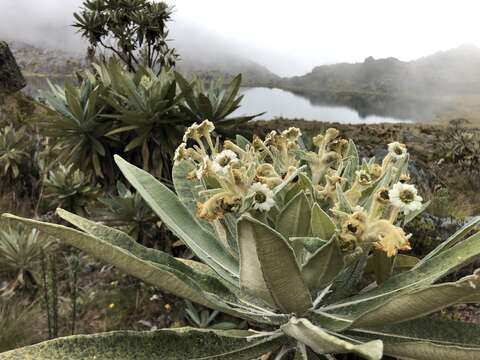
column 11, row 78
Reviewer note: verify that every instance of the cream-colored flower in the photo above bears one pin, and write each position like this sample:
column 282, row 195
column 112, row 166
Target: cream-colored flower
column 397, row 150
column 266, row 170
column 203, row 168
column 292, row 133
column 317, row 140
column 262, row 197
column 405, row 197
column 206, row 127
column 363, row 177
column 382, row 195
column 222, row 161
column 270, row 138
column 181, row 152
column 191, row 132
column 375, row 171
column 331, row 134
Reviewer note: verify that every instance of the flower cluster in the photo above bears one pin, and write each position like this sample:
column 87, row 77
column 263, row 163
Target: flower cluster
column 241, row 179
column 365, row 199
column 379, row 194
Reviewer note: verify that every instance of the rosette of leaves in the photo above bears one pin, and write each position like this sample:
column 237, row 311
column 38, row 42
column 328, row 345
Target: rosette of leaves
column 152, row 111
column 145, row 109
column 461, row 146
column 21, row 249
column 204, row 319
column 128, row 212
column 215, row 102
column 283, row 271
column 14, row 152
column 69, row 188
column 75, row 126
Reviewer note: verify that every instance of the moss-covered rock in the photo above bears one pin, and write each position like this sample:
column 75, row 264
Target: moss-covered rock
column 11, row 78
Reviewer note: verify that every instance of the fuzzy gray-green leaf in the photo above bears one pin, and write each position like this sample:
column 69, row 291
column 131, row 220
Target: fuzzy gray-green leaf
column 415, row 279
column 165, row 276
column 176, row 216
column 323, row 266
column 427, row 339
column 321, row 224
column 323, row 342
column 294, row 220
column 423, row 302
column 167, row 344
column 278, row 266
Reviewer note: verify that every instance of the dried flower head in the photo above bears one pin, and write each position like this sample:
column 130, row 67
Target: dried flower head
column 382, row 196
column 375, row 171
column 392, row 240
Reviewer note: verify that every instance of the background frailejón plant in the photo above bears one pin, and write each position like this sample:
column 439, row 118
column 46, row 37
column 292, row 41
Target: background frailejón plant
column 128, row 212
column 141, row 115
column 69, row 189
column 21, row 250
column 302, row 243
column 134, row 30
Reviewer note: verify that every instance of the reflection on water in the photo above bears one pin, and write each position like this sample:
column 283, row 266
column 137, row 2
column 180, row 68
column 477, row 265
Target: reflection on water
column 281, row 103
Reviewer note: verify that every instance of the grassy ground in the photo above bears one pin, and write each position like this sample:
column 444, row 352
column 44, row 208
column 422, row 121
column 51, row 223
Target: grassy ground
column 467, row 107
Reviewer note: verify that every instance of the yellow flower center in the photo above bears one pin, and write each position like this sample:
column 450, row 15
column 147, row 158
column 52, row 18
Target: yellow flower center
column 407, row 196
column 398, row 150
column 260, row 197
column 224, row 161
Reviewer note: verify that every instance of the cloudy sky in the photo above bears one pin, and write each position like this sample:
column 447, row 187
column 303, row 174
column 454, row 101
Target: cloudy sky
column 289, row 37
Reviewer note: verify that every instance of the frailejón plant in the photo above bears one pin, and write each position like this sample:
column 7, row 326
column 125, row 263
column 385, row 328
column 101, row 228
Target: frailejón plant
column 304, row 245
column 141, row 114
column 134, row 30
column 128, row 212
column 21, row 250
column 12, row 152
column 70, row 189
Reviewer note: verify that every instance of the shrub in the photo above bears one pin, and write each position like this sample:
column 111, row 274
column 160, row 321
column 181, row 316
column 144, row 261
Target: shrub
column 289, row 240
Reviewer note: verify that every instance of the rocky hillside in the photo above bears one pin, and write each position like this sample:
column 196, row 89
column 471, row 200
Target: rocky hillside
column 452, row 72
column 40, row 61
column 36, row 60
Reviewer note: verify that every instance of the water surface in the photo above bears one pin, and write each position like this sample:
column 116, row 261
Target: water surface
column 286, row 104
